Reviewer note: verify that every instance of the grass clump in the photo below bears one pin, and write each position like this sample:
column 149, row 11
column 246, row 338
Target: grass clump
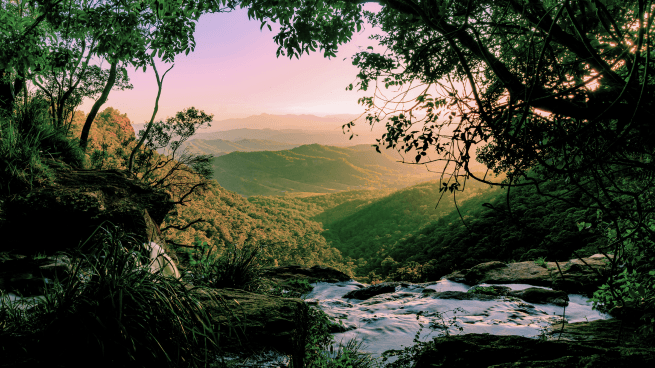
column 237, row 267
column 110, row 312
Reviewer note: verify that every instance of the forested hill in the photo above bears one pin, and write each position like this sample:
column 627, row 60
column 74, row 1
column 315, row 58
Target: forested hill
column 219, row 147
column 314, row 169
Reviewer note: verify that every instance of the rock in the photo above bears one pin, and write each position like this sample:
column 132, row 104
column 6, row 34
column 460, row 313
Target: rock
column 602, row 330
column 542, row 296
column 476, row 272
column 371, row 291
column 580, row 276
column 253, row 321
column 495, row 290
column 27, row 277
column 312, row 275
column 483, row 350
column 69, row 211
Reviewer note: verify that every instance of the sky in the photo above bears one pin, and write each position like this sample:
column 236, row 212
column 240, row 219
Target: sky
column 234, row 73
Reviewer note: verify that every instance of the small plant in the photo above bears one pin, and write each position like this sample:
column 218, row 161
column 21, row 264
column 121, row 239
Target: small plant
column 302, row 285
column 489, row 290
column 541, row 261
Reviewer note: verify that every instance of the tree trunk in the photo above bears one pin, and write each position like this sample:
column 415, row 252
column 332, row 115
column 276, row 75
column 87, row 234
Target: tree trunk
column 8, row 91
column 84, row 137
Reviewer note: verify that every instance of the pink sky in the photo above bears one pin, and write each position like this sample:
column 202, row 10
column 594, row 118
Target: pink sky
column 233, row 73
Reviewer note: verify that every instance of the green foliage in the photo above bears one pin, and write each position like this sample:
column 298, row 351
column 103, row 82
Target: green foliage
column 237, row 267
column 301, row 285
column 370, row 226
column 630, row 290
column 492, row 231
column 28, row 144
column 289, row 236
column 540, row 261
column 111, row 311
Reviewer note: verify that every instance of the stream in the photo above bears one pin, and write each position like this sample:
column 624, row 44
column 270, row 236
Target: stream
column 389, row 321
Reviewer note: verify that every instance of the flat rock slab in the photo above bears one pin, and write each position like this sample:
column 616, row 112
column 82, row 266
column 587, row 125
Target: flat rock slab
column 483, row 350
column 254, row 321
column 576, row 276
column 311, row 274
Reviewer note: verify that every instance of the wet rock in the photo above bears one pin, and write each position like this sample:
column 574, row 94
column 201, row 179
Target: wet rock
column 254, row 321
column 26, row 276
column 577, row 276
column 311, row 274
column 69, row 211
column 542, row 296
column 371, row 291
column 495, row 290
column 605, row 331
column 483, row 350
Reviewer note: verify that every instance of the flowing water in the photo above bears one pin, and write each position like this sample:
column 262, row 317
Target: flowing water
column 389, row 321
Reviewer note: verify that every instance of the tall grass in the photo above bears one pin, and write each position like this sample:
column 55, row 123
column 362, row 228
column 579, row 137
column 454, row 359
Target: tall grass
column 111, row 312
column 236, row 267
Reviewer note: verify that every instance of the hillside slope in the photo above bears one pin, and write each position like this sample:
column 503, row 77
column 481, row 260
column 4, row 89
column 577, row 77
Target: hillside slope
column 313, row 169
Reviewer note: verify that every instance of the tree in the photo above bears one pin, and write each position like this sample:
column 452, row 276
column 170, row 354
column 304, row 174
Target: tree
column 122, row 33
column 541, row 89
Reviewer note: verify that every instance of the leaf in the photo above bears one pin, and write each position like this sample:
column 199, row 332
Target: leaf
column 418, row 158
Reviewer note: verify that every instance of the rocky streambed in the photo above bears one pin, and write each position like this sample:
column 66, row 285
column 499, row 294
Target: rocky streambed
column 387, row 316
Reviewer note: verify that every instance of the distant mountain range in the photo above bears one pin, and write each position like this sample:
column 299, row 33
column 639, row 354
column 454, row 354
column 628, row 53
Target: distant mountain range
column 291, row 136
column 314, row 169
column 292, row 129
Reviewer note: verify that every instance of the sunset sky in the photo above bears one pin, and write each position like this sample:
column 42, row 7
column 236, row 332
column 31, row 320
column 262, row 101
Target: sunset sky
column 234, row 73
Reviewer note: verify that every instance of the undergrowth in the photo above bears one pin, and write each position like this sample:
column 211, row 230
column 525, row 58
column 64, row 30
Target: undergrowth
column 110, row 312
column 29, row 146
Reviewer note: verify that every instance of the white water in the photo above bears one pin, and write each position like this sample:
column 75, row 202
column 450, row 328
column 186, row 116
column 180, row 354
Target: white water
column 389, row 321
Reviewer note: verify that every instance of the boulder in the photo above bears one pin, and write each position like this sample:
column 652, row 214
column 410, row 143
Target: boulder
column 495, row 290
column 542, row 296
column 484, row 350
column 69, row 211
column 579, row 276
column 254, row 321
column 311, row 274
column 372, row 290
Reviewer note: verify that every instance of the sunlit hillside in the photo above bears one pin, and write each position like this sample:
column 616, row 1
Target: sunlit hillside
column 314, row 169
